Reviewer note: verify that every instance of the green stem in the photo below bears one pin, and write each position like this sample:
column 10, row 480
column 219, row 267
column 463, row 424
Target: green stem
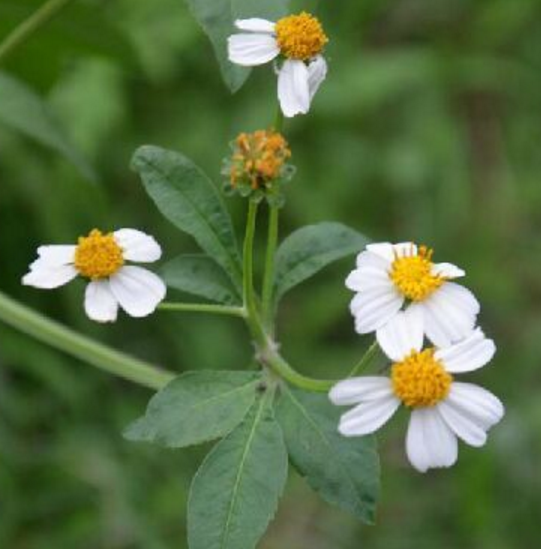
column 279, row 120
column 51, row 333
column 268, row 279
column 29, row 26
column 248, row 260
column 203, row 308
column 366, row 359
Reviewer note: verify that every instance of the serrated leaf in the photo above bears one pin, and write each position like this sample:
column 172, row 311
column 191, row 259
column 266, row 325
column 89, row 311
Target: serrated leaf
column 23, row 110
column 217, row 18
column 200, row 275
column 308, row 250
column 344, row 471
column 196, row 407
column 235, row 493
column 187, row 197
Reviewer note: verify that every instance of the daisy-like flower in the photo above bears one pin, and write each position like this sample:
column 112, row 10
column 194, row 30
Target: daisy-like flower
column 299, row 39
column 389, row 276
column 102, row 258
column 442, row 409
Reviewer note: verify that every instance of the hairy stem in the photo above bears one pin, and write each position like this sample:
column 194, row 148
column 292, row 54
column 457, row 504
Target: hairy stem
column 51, row 333
column 366, row 359
column 30, row 25
column 203, row 308
column 268, row 279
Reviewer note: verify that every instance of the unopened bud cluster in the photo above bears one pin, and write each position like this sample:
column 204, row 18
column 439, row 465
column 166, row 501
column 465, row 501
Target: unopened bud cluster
column 258, row 166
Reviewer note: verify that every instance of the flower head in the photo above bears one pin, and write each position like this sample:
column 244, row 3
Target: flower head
column 391, row 276
column 101, row 258
column 299, row 40
column 442, row 409
column 258, row 165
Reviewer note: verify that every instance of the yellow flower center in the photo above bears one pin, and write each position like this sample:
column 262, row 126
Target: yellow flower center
column 258, row 157
column 412, row 275
column 98, row 255
column 300, row 36
column 420, row 380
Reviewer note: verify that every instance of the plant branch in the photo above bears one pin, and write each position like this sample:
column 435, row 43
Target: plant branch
column 203, row 308
column 268, row 279
column 29, row 26
column 55, row 335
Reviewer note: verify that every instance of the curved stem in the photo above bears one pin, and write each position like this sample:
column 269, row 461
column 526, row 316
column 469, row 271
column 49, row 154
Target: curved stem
column 30, row 25
column 268, row 279
column 366, row 359
column 51, row 333
column 203, row 308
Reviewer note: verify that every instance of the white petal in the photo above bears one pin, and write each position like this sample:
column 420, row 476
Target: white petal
column 370, row 259
column 450, row 314
column 255, row 24
column 373, row 309
column 293, row 92
column 462, row 425
column 368, row 417
column 250, row 50
column 368, row 278
column 430, row 442
column 100, row 303
column 137, row 290
column 47, row 278
column 317, row 72
column 447, row 270
column 402, row 334
column 360, row 389
column 470, row 354
column 57, row 256
column 478, row 403
column 383, row 250
column 405, row 249
column 138, row 246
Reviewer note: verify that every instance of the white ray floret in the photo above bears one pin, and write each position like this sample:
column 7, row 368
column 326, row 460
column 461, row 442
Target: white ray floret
column 101, row 258
column 389, row 277
column 442, row 409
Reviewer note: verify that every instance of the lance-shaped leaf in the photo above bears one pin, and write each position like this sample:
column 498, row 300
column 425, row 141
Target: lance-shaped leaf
column 344, row 471
column 187, row 197
column 308, row 250
column 200, row 275
column 196, row 407
column 217, row 18
column 235, row 493
column 24, row 111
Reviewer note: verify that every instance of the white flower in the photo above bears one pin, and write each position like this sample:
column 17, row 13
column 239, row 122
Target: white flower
column 101, row 258
column 298, row 38
column 442, row 408
column 389, row 275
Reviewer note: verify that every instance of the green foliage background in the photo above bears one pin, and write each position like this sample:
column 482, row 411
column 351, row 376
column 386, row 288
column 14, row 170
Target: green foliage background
column 428, row 128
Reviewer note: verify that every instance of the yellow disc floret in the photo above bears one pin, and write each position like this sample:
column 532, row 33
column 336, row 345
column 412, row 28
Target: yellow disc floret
column 412, row 275
column 98, row 255
column 300, row 36
column 420, row 380
column 258, row 158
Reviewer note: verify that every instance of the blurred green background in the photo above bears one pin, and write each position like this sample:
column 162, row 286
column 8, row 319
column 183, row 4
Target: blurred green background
column 428, row 128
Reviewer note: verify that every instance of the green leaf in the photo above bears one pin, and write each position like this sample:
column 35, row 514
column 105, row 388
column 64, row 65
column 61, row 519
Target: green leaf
column 200, row 275
column 196, row 407
column 344, row 471
column 187, row 197
column 308, row 250
column 23, row 110
column 235, row 493
column 217, row 18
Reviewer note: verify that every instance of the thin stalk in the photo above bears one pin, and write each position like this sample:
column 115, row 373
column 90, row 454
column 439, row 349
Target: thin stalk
column 279, row 120
column 268, row 279
column 29, row 26
column 203, row 308
column 96, row 354
column 248, row 260
column 366, row 359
